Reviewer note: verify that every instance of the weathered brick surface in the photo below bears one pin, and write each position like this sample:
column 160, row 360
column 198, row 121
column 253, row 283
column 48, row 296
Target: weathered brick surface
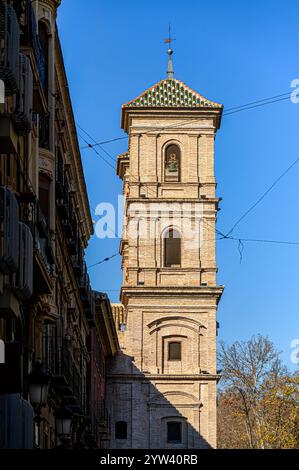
column 165, row 304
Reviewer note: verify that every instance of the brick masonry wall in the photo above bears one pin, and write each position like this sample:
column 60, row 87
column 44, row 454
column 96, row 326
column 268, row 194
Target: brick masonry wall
column 145, row 388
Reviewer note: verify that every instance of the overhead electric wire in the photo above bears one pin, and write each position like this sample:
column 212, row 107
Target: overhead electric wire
column 259, row 200
column 134, row 179
column 257, row 240
column 241, row 242
column 104, row 260
column 259, row 101
column 219, row 232
column 95, row 150
column 229, row 111
column 232, row 110
column 104, row 142
column 99, row 145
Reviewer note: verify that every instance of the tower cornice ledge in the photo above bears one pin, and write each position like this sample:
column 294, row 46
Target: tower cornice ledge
column 176, row 377
column 153, row 291
column 159, row 199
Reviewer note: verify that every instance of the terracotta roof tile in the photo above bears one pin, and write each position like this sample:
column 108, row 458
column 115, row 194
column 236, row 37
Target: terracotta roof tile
column 171, row 93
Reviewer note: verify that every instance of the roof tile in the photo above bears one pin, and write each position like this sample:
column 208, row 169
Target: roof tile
column 171, row 93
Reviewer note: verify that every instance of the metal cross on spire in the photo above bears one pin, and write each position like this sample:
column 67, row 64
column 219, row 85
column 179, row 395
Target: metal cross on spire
column 170, row 71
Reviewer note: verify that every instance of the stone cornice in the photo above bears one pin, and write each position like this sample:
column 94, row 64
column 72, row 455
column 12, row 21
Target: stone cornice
column 173, row 291
column 123, row 161
column 85, row 215
column 211, row 113
column 166, row 377
column 174, row 200
column 53, row 4
column 179, row 290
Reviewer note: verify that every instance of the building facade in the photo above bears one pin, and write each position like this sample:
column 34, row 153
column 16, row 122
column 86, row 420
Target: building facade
column 47, row 307
column 162, row 384
column 102, row 344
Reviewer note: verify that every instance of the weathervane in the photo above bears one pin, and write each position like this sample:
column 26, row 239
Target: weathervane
column 170, row 72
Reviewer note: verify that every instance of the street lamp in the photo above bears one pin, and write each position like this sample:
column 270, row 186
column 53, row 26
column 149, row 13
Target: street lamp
column 39, row 382
column 64, row 424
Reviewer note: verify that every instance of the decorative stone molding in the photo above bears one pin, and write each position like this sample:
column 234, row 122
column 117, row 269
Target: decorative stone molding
column 47, row 163
column 52, row 4
column 49, row 308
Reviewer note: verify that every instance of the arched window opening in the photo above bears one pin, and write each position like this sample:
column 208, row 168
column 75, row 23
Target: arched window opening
column 172, row 249
column 121, row 430
column 175, row 351
column 172, row 163
column 174, row 432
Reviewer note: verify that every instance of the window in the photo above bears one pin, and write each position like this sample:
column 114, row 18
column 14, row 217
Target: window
column 121, row 430
column 172, row 163
column 175, row 351
column 174, row 432
column 44, row 43
column 172, row 249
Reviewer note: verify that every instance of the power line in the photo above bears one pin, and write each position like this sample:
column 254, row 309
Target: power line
column 95, row 150
column 110, row 290
column 104, row 142
column 259, row 101
column 135, row 179
column 240, row 240
column 254, row 106
column 88, row 135
column 255, row 240
column 262, row 197
column 229, row 111
column 242, row 217
column 233, row 110
column 105, row 260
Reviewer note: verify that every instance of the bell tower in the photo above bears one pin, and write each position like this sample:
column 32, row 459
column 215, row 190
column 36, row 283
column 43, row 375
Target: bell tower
column 162, row 384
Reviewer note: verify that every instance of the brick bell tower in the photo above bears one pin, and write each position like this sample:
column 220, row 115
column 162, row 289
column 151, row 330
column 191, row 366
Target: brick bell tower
column 162, row 384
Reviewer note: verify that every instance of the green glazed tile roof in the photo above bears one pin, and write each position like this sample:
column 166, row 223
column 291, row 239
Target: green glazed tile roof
column 171, row 93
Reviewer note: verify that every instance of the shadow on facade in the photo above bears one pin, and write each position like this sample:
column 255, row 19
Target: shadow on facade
column 152, row 413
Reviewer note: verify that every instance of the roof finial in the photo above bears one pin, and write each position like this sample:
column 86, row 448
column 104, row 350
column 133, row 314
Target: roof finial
column 170, row 72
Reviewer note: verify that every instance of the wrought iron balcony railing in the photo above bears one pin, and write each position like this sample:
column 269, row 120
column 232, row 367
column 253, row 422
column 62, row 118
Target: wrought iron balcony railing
column 32, row 216
column 44, row 131
column 30, row 38
column 59, row 360
column 99, row 420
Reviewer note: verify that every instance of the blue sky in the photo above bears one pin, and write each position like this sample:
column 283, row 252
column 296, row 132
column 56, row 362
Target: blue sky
column 232, row 52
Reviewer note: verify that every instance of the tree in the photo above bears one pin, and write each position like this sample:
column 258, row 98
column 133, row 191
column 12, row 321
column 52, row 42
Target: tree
column 258, row 402
column 231, row 431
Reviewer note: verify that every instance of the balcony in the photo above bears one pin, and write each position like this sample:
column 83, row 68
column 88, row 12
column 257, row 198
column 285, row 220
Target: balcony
column 84, row 284
column 63, row 202
column 59, row 175
column 43, row 241
column 32, row 216
column 30, row 39
column 90, row 309
column 99, row 422
column 44, row 131
column 8, row 136
column 77, row 262
column 87, row 296
column 9, row 48
column 59, row 360
column 73, row 239
column 68, row 217
column 65, row 207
